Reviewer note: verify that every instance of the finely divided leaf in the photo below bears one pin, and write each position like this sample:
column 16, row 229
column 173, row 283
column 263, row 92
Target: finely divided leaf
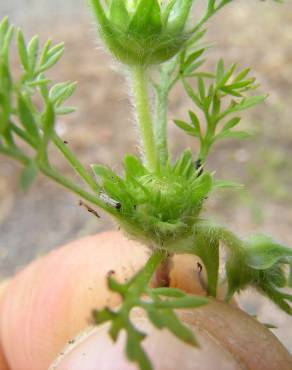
column 182, row 302
column 135, row 352
column 190, row 130
column 28, row 175
column 173, row 324
column 263, row 252
column 248, row 103
column 168, row 292
column 233, row 135
column 231, row 123
column 225, row 184
column 51, row 57
column 65, row 110
column 48, row 123
column 26, row 117
column 22, row 51
column 61, row 92
column 220, row 71
column 32, row 50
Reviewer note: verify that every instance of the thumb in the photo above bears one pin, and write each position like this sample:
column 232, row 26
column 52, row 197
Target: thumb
column 228, row 339
column 94, row 350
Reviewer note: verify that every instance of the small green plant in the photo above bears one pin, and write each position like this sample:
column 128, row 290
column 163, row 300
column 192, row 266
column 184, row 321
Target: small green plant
column 156, row 199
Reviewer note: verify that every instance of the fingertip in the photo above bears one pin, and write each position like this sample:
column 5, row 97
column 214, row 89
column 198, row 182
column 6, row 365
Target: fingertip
column 96, row 351
column 92, row 350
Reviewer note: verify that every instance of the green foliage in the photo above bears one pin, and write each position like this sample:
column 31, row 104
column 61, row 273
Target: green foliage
column 28, row 175
column 261, row 265
column 143, row 32
column 59, row 93
column 159, row 203
column 256, row 261
column 35, row 61
column 218, row 97
column 20, row 116
column 159, row 305
column 158, row 206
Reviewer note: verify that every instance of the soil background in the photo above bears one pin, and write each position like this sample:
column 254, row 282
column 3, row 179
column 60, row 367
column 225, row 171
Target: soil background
column 249, row 32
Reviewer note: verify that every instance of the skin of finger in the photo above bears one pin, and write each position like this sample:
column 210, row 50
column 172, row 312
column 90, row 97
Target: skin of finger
column 252, row 344
column 50, row 301
column 166, row 352
column 228, row 339
column 3, row 362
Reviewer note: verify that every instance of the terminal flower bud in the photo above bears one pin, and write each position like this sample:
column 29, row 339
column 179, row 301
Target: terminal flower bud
column 143, row 32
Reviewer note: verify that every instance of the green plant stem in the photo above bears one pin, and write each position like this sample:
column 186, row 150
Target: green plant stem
column 204, row 150
column 161, row 104
column 144, row 118
column 23, row 135
column 76, row 164
column 58, row 178
column 161, row 125
column 207, row 140
column 208, row 251
column 143, row 277
column 68, row 184
column 15, row 154
column 219, row 233
column 205, row 146
column 8, row 138
column 209, row 13
column 139, row 283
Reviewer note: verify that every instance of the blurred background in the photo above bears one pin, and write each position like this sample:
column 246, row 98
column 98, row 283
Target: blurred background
column 249, row 32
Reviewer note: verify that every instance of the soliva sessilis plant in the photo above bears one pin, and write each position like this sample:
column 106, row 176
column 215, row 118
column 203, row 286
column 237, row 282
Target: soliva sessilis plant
column 157, row 200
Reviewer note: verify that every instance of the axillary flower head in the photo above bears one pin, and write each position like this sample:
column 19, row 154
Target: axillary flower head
column 142, row 32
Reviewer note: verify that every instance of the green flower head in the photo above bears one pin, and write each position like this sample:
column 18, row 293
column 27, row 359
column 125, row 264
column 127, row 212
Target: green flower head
column 143, row 32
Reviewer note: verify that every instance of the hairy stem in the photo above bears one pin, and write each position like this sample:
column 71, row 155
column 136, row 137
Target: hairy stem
column 144, row 118
column 208, row 251
column 58, row 178
column 161, row 125
column 219, row 233
column 204, row 150
column 68, row 184
column 76, row 164
column 23, row 135
column 144, row 277
column 162, row 90
column 15, row 154
column 211, row 10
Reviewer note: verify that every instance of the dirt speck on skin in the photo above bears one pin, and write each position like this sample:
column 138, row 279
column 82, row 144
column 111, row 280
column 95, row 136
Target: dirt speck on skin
column 251, row 33
column 110, row 273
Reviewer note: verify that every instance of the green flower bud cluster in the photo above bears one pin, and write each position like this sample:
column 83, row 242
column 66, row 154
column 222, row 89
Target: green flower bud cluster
column 157, row 207
column 143, row 32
